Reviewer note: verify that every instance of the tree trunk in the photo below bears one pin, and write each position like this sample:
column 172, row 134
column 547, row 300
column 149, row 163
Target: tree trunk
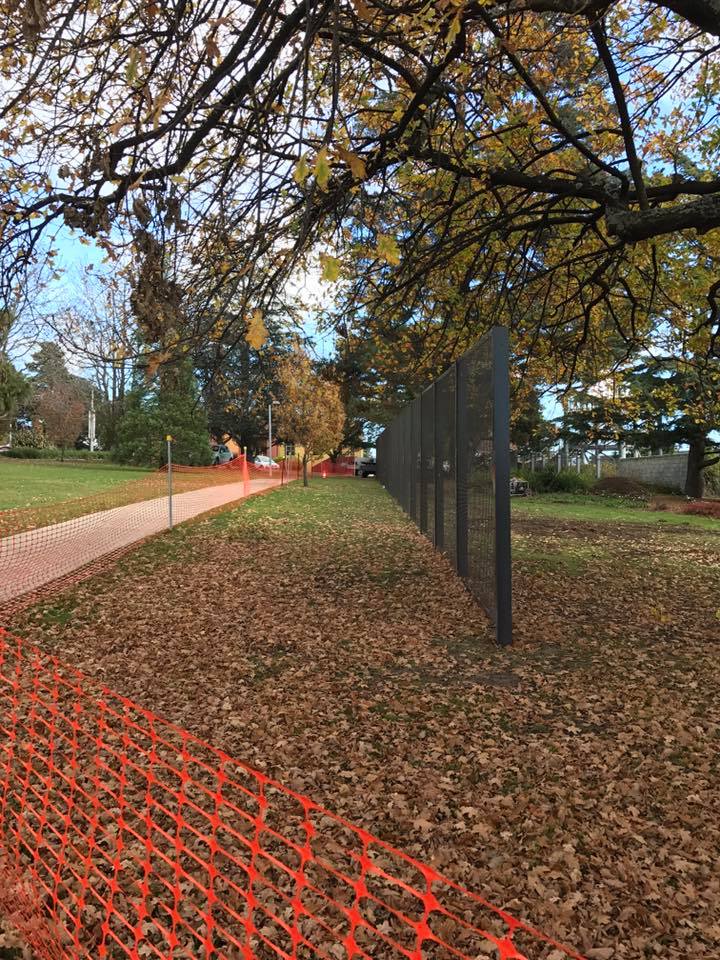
column 694, row 480
column 305, row 473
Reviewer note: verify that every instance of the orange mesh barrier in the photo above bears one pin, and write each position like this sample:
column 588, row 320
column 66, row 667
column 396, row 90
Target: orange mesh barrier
column 41, row 545
column 282, row 470
column 126, row 837
column 153, row 485
column 342, row 467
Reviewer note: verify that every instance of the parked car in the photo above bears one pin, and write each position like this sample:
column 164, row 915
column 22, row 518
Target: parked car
column 365, row 468
column 83, row 443
column 519, row 487
column 221, row 454
column 265, row 463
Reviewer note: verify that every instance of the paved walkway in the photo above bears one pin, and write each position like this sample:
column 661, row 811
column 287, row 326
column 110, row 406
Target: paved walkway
column 31, row 559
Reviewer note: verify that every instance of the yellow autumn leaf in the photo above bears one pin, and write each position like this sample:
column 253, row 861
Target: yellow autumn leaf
column 330, row 267
column 256, row 334
column 131, row 70
column 158, row 106
column 454, row 29
column 154, row 362
column 302, row 170
column 322, row 168
column 356, row 163
column 211, row 48
column 363, row 10
column 387, row 249
column 124, row 119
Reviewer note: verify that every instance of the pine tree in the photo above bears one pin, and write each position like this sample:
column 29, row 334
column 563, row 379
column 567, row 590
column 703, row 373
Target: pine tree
column 170, row 406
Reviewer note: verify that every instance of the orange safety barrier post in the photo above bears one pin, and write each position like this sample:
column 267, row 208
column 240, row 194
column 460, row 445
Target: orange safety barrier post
column 124, row 836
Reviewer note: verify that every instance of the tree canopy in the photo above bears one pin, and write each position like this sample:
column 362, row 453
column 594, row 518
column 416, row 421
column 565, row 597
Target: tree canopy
column 481, row 156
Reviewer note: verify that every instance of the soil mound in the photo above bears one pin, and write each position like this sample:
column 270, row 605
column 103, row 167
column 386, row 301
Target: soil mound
column 622, row 487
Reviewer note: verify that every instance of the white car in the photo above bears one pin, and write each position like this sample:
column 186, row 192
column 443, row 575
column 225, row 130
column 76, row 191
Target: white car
column 221, row 454
column 265, row 463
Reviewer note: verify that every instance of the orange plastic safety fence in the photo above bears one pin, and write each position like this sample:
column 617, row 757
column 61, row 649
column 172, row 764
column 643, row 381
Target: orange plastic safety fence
column 38, row 547
column 151, row 485
column 342, row 467
column 126, row 837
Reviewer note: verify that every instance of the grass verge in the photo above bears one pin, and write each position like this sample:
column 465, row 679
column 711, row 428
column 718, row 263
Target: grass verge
column 37, row 483
column 603, row 509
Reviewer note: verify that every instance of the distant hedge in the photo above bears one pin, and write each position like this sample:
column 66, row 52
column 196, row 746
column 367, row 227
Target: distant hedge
column 550, row 480
column 53, row 453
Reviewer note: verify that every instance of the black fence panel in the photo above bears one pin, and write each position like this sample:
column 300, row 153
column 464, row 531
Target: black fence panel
column 445, row 463
column 427, row 463
column 446, row 459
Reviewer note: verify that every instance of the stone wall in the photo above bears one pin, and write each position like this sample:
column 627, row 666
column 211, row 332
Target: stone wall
column 667, row 471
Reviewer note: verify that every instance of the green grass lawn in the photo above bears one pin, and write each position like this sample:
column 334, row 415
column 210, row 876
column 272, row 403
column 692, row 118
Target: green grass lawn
column 36, row 483
column 603, row 509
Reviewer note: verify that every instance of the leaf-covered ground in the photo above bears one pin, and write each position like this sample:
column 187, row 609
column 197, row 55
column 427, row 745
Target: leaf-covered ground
column 316, row 635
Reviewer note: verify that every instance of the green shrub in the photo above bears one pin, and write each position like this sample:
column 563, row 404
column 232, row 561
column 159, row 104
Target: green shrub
column 712, row 480
column 550, row 480
column 87, row 455
column 33, row 453
column 30, row 438
column 53, row 453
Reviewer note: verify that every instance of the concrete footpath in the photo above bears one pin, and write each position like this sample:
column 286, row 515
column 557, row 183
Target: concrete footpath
column 34, row 558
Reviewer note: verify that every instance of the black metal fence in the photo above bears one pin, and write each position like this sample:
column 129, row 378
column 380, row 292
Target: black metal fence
column 446, row 459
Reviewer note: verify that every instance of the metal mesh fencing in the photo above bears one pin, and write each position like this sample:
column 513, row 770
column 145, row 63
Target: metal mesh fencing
column 446, row 460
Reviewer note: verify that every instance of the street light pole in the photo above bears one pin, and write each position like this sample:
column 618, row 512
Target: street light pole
column 270, row 430
column 92, row 443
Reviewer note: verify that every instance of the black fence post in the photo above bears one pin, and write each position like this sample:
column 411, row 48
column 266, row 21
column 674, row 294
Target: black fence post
column 423, row 524
column 439, row 537
column 501, row 457
column 461, row 469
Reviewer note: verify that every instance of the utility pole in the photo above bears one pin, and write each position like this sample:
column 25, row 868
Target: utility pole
column 91, row 421
column 270, row 430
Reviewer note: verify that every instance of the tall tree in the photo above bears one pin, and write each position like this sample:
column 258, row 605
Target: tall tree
column 14, row 388
column 677, row 401
column 48, row 366
column 61, row 412
column 352, row 371
column 167, row 404
column 310, row 413
column 468, row 158
column 238, row 379
column 57, row 396
column 529, row 430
